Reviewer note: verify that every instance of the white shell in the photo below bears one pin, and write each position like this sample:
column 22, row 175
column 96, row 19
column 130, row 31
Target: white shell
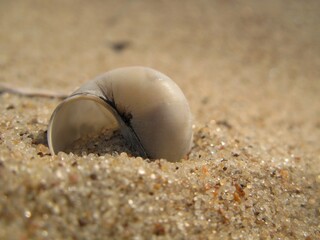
column 150, row 109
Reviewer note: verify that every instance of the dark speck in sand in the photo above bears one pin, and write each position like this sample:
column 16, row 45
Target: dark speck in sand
column 120, row 46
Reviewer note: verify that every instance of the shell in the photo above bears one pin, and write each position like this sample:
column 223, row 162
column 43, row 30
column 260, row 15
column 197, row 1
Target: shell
column 148, row 107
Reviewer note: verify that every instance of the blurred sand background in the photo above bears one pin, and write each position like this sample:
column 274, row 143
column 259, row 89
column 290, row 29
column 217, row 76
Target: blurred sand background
column 251, row 73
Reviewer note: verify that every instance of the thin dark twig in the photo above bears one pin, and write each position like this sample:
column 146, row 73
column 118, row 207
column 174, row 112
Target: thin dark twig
column 31, row 92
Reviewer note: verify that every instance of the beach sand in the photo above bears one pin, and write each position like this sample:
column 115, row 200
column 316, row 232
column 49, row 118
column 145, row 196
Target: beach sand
column 251, row 73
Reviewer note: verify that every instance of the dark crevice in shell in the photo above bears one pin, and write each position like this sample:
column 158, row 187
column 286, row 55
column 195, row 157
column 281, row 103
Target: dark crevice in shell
column 126, row 118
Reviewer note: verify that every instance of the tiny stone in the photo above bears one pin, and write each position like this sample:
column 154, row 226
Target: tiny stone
column 27, row 214
column 141, row 171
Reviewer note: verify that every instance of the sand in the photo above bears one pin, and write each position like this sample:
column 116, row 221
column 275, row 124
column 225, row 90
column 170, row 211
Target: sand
column 250, row 70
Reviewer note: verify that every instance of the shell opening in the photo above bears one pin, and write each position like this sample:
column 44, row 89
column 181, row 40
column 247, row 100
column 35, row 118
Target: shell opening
column 77, row 117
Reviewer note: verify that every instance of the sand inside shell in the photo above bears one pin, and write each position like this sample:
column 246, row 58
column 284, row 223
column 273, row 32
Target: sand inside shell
column 107, row 142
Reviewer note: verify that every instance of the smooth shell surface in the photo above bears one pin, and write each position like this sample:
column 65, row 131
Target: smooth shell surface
column 148, row 107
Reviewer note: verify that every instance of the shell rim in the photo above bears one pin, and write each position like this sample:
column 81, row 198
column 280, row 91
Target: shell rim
column 125, row 129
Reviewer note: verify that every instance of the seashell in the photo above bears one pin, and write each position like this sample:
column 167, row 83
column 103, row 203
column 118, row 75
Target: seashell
column 149, row 108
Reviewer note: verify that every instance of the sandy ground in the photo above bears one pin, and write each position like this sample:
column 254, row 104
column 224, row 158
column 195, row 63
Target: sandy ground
column 250, row 70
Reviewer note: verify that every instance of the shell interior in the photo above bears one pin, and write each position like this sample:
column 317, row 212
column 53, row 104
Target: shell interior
column 76, row 117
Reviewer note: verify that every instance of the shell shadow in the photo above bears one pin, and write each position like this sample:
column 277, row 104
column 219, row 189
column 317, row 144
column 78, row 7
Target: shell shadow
column 40, row 143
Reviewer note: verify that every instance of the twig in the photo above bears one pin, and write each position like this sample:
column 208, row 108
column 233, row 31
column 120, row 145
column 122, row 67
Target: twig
column 31, row 92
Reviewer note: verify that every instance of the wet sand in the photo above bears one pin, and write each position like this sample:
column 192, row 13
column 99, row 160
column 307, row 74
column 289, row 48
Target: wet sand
column 250, row 70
